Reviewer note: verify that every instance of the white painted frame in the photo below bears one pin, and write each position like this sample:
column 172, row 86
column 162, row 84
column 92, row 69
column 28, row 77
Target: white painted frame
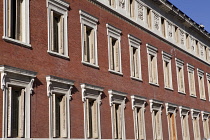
column 180, row 64
column 135, row 43
column 138, row 102
column 11, row 76
column 184, row 111
column 91, row 92
column 167, row 58
column 116, row 97
column 90, row 21
column 26, row 25
column 54, row 86
column 201, row 74
column 60, row 7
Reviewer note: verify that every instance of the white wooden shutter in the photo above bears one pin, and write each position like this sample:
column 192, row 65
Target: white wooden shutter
column 9, row 112
column 18, row 19
column 119, row 121
column 88, row 118
column 154, row 125
column 115, row 121
column 9, row 18
column 54, row 115
column 111, row 54
column 132, row 8
column 95, row 120
column 136, row 55
column 136, row 123
column 154, row 69
column 132, row 61
column 141, row 123
column 63, row 117
column 21, row 117
column 151, row 68
column 113, row 3
column 117, row 56
column 52, row 30
column 92, row 47
column 61, row 35
column 85, row 43
column 158, row 126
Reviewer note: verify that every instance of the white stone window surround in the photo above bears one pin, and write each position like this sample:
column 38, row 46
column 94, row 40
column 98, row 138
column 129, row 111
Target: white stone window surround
column 138, row 102
column 191, row 69
column 122, row 12
column 116, row 97
column 59, row 86
column 151, row 50
column 201, row 85
column 171, row 109
column 135, row 43
column 205, row 117
column 195, row 114
column 60, row 7
column 90, row 21
column 184, row 111
column 11, row 76
column 157, row 106
column 113, row 32
column 208, row 83
column 167, row 58
column 180, row 64
column 26, row 33
column 91, row 92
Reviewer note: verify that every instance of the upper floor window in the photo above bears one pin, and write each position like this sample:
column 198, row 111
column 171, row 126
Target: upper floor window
column 205, row 120
column 17, row 86
column 16, row 22
column 167, row 70
column 201, row 84
column 208, row 83
column 135, row 59
column 180, row 75
column 132, row 8
column 195, row 114
column 117, row 103
column 138, row 106
column 152, row 64
column 191, row 79
column 156, row 110
column 171, row 117
column 59, row 93
column 57, row 28
column 91, row 97
column 184, row 114
column 114, row 49
column 89, row 38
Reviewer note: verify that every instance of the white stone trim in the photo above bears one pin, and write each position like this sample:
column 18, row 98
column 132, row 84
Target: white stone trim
column 91, row 92
column 11, row 76
column 134, row 42
column 59, row 86
column 90, row 21
column 116, row 97
column 60, row 7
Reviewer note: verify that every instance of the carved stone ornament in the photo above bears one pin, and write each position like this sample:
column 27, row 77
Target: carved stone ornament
column 169, row 30
column 156, row 21
column 140, row 11
column 122, row 3
column 182, row 37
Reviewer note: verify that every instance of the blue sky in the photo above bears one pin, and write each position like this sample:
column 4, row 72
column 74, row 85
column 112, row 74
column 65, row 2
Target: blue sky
column 197, row 10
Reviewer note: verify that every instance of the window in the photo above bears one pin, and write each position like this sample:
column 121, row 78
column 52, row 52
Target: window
column 91, row 97
column 176, row 36
column 163, row 22
column 57, row 28
column 171, row 117
column 184, row 114
column 205, row 119
column 152, row 64
column 132, row 8
column 59, row 93
column 201, row 84
column 191, row 80
column 138, row 106
column 180, row 75
column 89, row 38
column 135, row 63
column 17, row 86
column 156, row 110
column 208, row 83
column 167, row 70
column 196, row 127
column 112, row 3
column 117, row 103
column 16, row 22
column 149, row 18
column 114, row 49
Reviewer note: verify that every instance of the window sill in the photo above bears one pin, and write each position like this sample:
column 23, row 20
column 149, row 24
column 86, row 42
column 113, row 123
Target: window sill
column 115, row 72
column 58, row 55
column 203, row 99
column 157, row 85
column 137, row 79
column 194, row 96
column 90, row 65
column 181, row 92
column 17, row 42
column 167, row 88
